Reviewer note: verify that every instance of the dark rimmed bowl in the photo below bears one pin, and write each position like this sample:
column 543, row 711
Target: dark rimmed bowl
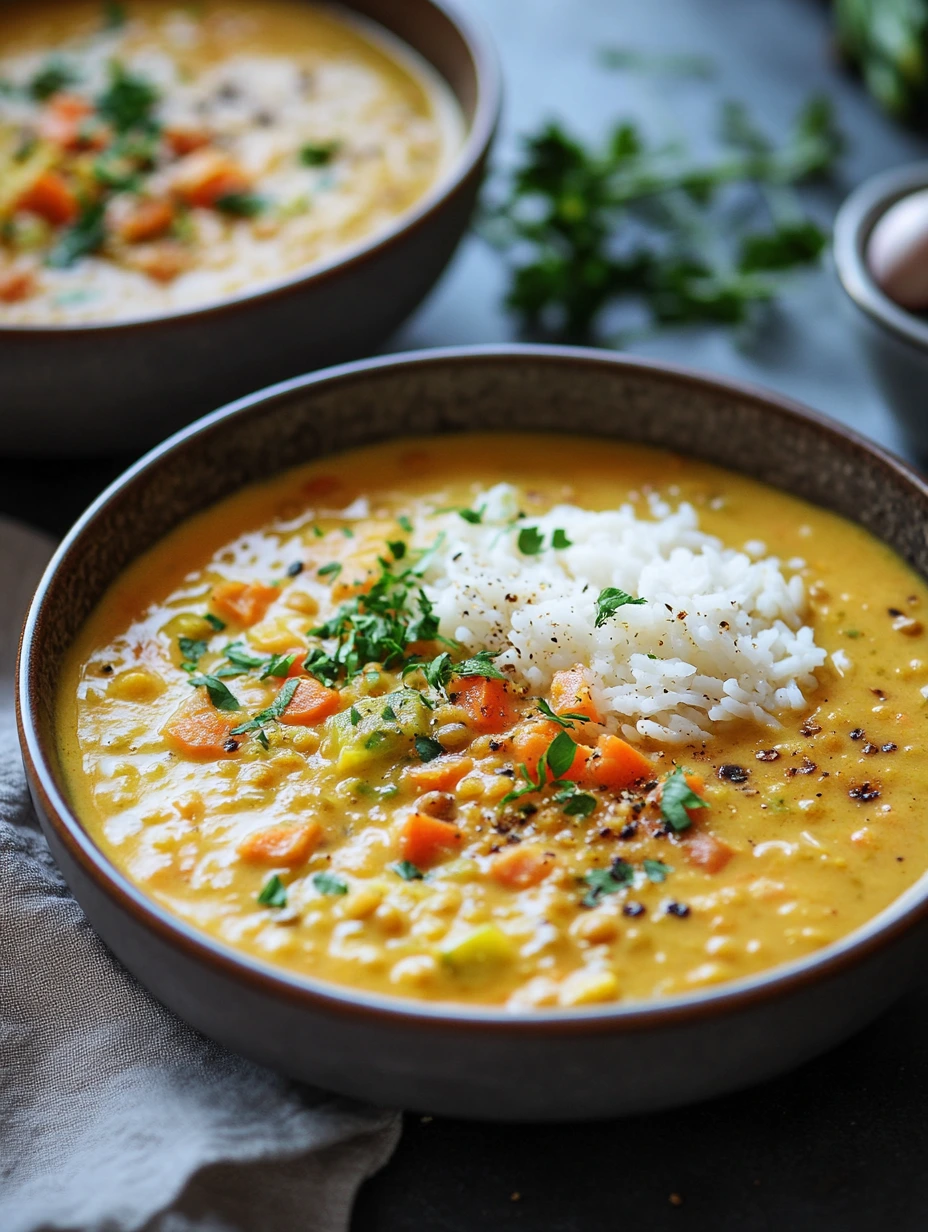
column 119, row 387
column 895, row 340
column 549, row 1065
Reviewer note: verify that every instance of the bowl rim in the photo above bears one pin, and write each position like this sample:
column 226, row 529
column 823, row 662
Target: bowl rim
column 321, row 996
column 854, row 223
column 479, row 136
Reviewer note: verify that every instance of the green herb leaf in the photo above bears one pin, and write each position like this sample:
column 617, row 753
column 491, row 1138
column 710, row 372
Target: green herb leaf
column 332, row 570
column 560, row 541
column 389, row 714
column 83, row 237
column 404, row 523
column 273, row 712
column 318, row 154
column 676, row 797
column 610, row 600
column 217, row 624
column 128, row 100
column 241, row 204
column 278, row 665
column 192, row 649
column 219, row 695
column 602, row 881
column 567, row 719
column 354, row 714
column 406, row 870
column 579, row 804
column 238, row 654
column 530, row 540
column 262, row 739
column 559, row 756
column 427, row 748
column 397, row 548
column 480, row 665
column 328, row 883
column 656, row 870
column 54, row 75
column 273, row 892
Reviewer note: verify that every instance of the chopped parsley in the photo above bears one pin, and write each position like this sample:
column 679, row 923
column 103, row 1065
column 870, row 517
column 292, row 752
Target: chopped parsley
column 567, row 719
column 397, row 548
column 128, row 100
column 318, row 153
column 328, row 883
column 272, row 713
column 219, row 695
column 54, row 75
column 439, row 671
column 192, row 651
column 427, row 748
column 555, row 761
column 407, row 870
column 676, row 797
column 575, row 803
column 217, row 624
column 389, row 714
column 239, row 655
column 404, row 523
column 82, row 237
column 354, row 714
column 560, row 541
column 530, row 540
column 602, row 881
column 273, row 892
column 278, row 665
column 611, row 598
column 656, row 870
column 241, row 204
column 332, row 570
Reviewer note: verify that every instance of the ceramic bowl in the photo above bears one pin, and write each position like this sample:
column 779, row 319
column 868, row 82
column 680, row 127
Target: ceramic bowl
column 895, row 339
column 487, row 1063
column 122, row 386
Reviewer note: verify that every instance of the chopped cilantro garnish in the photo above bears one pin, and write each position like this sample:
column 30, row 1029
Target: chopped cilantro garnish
column 318, row 154
column 328, row 883
column 272, row 713
column 354, row 714
column 397, row 548
column 128, row 99
column 192, row 649
column 332, row 570
column 239, row 655
column 219, row 695
column 656, row 870
column 576, row 803
column 602, row 881
column 347, row 532
column 404, row 523
column 54, row 75
column 273, row 892
column 389, row 714
column 556, row 760
column 559, row 539
column 278, row 665
column 262, row 739
column 427, row 748
column 241, row 204
column 318, row 532
column 530, row 540
column 480, row 665
column 567, row 719
column 439, row 671
column 676, row 797
column 81, row 238
column 610, row 600
column 407, row 870
column 217, row 624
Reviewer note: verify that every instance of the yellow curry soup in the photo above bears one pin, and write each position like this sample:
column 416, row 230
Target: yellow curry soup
column 270, row 726
column 155, row 156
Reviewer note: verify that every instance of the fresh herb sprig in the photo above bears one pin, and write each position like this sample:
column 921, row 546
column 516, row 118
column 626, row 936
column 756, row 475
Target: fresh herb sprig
column 676, row 797
column 587, row 229
column 553, row 764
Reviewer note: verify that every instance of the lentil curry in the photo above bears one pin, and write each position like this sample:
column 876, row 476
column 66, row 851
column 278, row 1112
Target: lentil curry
column 156, row 155
column 262, row 726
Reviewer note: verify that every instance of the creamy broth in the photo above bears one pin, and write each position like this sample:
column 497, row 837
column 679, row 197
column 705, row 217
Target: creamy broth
column 313, row 838
column 157, row 156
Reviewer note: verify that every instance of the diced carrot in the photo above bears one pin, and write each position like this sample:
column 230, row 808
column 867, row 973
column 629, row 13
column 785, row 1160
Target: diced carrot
column 617, row 765
column 147, row 221
column 488, row 703
column 707, row 852
column 521, row 866
column 244, row 602
column 311, row 703
column 571, row 693
column 342, row 590
column 281, row 844
column 442, row 774
column 296, row 668
column 184, row 140
column 65, row 121
column 199, row 730
column 206, row 175
column 16, row 285
column 531, row 741
column 164, row 260
column 424, row 840
column 696, row 783
column 51, row 198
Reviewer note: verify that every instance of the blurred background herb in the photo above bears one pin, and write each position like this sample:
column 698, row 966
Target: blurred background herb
column 887, row 40
column 586, row 230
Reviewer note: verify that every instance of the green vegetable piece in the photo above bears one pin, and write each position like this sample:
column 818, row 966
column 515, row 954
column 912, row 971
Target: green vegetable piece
column 676, row 797
column 407, row 870
column 219, row 695
column 328, row 883
column 318, row 154
column 610, row 600
column 530, row 540
column 656, row 870
column 483, row 948
column 273, row 892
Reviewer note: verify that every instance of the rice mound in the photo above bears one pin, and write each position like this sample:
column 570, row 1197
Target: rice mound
column 720, row 637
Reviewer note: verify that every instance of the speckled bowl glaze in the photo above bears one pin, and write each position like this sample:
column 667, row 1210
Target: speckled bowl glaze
column 895, row 340
column 119, row 387
column 548, row 1065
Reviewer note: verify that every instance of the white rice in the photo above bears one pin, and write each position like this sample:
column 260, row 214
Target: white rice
column 721, row 636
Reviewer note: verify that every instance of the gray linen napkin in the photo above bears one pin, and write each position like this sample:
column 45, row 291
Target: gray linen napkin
column 114, row 1114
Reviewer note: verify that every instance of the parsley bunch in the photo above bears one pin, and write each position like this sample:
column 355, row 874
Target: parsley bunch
column 587, row 229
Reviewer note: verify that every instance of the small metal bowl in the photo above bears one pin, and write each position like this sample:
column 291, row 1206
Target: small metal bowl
column 895, row 339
